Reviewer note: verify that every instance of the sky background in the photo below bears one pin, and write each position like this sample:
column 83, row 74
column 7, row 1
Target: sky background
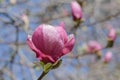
column 17, row 61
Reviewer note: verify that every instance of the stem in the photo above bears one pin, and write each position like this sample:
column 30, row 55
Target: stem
column 42, row 75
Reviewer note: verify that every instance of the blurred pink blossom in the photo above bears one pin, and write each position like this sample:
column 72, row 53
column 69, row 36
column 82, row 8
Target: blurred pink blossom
column 62, row 24
column 65, row 12
column 50, row 43
column 76, row 10
column 108, row 57
column 112, row 34
column 93, row 46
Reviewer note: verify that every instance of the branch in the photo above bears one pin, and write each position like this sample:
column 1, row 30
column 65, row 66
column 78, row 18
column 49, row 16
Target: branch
column 42, row 75
column 105, row 19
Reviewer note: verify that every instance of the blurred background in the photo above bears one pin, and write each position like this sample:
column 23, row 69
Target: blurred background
column 18, row 18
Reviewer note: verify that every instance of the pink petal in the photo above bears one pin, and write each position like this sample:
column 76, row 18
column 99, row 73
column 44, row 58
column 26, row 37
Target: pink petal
column 39, row 54
column 69, row 45
column 37, row 38
column 63, row 34
column 76, row 10
column 31, row 45
column 47, row 39
column 108, row 57
column 112, row 34
column 46, row 58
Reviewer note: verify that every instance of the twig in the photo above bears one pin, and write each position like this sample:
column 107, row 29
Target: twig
column 42, row 75
column 105, row 19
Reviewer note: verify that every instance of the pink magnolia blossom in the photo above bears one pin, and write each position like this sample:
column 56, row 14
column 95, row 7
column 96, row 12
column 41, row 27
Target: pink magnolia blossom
column 108, row 57
column 112, row 34
column 50, row 43
column 76, row 10
column 93, row 46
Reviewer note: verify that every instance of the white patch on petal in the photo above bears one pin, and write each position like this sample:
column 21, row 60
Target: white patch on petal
column 70, row 37
column 30, row 37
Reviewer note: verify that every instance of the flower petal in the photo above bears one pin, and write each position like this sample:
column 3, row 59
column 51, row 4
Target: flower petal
column 31, row 45
column 63, row 34
column 69, row 45
column 37, row 38
column 46, row 58
column 112, row 34
column 47, row 39
column 39, row 54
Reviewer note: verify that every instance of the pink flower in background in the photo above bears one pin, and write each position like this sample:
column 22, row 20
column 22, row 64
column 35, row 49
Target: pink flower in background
column 62, row 24
column 93, row 46
column 76, row 10
column 112, row 34
column 108, row 57
column 65, row 12
column 50, row 43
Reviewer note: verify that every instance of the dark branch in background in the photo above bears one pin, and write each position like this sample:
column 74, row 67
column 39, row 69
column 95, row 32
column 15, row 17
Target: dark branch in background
column 17, row 22
column 1, row 77
column 17, row 46
column 105, row 19
column 13, row 43
column 14, row 23
column 15, row 19
column 3, row 12
column 62, row 16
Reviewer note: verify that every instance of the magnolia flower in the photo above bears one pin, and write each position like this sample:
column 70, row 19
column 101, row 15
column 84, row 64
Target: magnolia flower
column 93, row 46
column 112, row 34
column 50, row 43
column 108, row 57
column 76, row 10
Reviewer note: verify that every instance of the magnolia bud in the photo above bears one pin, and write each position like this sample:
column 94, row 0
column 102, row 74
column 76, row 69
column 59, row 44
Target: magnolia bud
column 108, row 57
column 76, row 10
column 111, row 37
column 112, row 34
column 93, row 46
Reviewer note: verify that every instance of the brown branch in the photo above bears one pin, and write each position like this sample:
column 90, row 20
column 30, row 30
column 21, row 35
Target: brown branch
column 42, row 75
column 13, row 43
column 105, row 19
column 94, row 23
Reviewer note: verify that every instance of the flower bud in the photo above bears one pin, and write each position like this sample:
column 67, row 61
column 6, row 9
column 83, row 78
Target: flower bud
column 112, row 34
column 111, row 37
column 50, row 43
column 108, row 57
column 93, row 46
column 76, row 10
